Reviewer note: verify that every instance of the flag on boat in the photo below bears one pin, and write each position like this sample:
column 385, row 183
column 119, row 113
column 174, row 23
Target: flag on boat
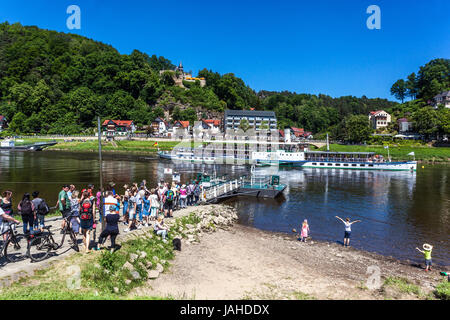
column 411, row 153
column 386, row 147
column 155, row 144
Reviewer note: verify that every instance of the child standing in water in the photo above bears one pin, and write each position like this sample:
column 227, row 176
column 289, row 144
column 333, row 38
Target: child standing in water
column 427, row 254
column 304, row 231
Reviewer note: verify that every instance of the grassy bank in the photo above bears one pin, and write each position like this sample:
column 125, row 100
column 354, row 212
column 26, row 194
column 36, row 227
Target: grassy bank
column 116, row 146
column 397, row 152
column 422, row 152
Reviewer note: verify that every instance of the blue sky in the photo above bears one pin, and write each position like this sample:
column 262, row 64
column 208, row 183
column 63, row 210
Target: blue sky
column 320, row 46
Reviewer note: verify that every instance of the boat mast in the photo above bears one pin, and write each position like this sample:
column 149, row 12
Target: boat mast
column 328, row 143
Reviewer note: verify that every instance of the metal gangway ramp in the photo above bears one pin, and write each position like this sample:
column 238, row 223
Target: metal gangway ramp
column 222, row 189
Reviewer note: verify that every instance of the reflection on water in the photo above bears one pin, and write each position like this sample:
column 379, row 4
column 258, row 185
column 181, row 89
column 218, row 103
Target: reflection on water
column 399, row 210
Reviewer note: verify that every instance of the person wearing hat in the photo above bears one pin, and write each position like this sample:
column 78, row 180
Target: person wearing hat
column 427, row 248
column 111, row 187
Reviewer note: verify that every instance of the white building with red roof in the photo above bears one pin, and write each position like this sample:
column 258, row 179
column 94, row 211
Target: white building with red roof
column 379, row 119
column 117, row 127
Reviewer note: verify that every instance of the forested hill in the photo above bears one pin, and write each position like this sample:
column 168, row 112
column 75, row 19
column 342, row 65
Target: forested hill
column 52, row 82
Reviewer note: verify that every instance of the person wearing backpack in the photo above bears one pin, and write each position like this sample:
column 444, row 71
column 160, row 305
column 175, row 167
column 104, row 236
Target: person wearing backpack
column 190, row 194
column 26, row 209
column 41, row 209
column 87, row 217
column 169, row 197
column 75, row 211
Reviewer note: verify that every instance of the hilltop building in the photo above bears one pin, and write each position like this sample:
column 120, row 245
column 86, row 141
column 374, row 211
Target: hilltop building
column 442, row 98
column 180, row 76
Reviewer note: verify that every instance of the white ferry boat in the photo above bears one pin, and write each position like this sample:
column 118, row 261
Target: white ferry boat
column 332, row 160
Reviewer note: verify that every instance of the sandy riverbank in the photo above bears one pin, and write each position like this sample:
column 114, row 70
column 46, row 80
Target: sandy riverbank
column 246, row 263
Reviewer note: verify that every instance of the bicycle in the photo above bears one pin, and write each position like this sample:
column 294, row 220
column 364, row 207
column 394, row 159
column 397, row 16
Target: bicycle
column 40, row 247
column 12, row 244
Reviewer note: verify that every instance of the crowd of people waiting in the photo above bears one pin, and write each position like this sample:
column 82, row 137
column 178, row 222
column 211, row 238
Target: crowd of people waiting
column 137, row 207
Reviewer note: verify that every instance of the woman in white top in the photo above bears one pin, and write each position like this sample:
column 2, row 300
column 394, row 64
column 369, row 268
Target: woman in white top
column 348, row 230
column 154, row 205
column 131, row 208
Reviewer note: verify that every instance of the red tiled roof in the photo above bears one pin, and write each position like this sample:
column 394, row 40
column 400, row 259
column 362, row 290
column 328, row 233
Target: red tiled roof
column 297, row 131
column 281, row 133
column 375, row 112
column 122, row 123
column 184, row 124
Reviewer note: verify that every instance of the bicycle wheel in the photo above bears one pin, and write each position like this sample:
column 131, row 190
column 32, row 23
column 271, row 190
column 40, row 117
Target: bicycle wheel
column 13, row 250
column 39, row 248
column 73, row 237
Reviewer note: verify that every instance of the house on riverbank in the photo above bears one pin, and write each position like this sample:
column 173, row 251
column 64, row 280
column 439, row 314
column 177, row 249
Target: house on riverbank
column 111, row 128
column 3, row 124
column 379, row 119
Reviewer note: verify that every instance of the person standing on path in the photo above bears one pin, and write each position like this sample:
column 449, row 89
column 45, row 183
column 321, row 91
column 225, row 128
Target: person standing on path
column 348, row 230
column 75, row 211
column 87, row 218
column 6, row 203
column 41, row 209
column 27, row 210
column 5, row 221
column 112, row 228
column 63, row 204
column 131, row 209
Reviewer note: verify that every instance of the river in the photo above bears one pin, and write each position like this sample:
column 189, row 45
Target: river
column 399, row 210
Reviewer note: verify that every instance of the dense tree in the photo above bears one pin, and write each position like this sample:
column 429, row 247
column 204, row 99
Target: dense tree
column 357, row 128
column 398, row 89
column 425, row 121
column 411, row 86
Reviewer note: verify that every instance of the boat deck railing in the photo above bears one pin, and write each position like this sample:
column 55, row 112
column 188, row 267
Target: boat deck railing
column 221, row 189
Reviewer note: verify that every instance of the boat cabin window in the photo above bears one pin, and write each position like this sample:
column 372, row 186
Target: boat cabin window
column 330, row 164
column 353, row 164
column 345, row 164
column 370, row 165
column 362, row 165
column 338, row 165
column 322, row 164
column 314, row 164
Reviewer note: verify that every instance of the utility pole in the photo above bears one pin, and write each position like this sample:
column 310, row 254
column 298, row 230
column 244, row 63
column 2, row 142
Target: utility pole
column 100, row 210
